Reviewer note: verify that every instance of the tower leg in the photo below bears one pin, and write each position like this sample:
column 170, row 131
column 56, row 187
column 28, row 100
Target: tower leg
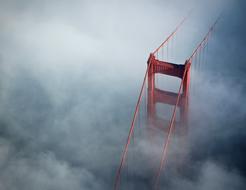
column 151, row 100
column 185, row 105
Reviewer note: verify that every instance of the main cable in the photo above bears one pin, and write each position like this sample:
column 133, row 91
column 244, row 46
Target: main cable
column 125, row 151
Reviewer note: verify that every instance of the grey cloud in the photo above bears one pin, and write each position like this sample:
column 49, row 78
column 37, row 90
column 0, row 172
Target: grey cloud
column 69, row 78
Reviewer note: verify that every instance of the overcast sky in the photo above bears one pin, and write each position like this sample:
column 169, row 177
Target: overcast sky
column 70, row 73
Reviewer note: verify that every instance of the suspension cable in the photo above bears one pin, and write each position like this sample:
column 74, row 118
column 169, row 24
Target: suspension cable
column 125, row 151
column 204, row 41
column 171, row 124
column 172, row 34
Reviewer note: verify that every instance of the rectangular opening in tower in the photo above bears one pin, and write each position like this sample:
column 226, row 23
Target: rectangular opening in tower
column 167, row 83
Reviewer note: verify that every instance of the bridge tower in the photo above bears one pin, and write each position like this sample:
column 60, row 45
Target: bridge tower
column 156, row 95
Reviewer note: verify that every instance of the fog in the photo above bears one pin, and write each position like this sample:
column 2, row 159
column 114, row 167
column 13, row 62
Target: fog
column 70, row 73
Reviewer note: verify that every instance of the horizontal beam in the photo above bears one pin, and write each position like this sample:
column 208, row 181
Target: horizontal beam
column 166, row 68
column 166, row 97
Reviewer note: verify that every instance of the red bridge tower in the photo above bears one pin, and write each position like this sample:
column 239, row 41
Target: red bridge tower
column 156, row 95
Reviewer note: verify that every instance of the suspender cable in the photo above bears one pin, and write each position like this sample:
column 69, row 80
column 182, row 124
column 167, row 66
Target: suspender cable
column 204, row 41
column 172, row 34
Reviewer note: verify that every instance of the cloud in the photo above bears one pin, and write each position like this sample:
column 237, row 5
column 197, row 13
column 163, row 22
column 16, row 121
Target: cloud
column 69, row 78
column 212, row 176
